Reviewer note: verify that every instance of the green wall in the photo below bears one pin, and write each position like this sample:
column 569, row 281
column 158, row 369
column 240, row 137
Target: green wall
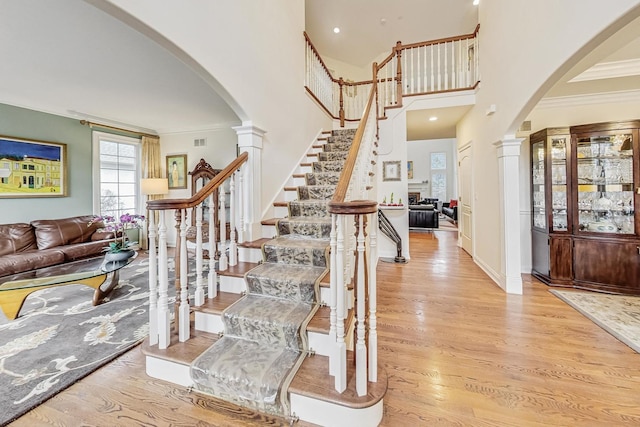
column 28, row 124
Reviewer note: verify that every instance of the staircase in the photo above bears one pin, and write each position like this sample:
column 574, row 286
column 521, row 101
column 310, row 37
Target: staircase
column 269, row 314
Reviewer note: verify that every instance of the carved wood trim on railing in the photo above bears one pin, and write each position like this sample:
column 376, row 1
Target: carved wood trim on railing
column 196, row 199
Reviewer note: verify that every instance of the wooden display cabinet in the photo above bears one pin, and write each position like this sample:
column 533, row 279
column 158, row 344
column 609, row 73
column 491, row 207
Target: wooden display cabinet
column 597, row 245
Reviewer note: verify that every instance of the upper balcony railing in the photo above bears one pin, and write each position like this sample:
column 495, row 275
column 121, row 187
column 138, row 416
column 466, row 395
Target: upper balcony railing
column 435, row 66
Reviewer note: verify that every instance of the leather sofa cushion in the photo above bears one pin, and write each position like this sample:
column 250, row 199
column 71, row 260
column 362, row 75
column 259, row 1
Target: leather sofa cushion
column 16, row 238
column 17, row 263
column 82, row 250
column 65, row 231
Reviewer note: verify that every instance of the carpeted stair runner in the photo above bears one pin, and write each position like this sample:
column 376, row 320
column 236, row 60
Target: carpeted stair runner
column 265, row 338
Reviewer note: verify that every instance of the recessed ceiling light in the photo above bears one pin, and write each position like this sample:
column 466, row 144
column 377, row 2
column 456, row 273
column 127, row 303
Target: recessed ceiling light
column 476, row 2
column 336, row 30
column 433, row 118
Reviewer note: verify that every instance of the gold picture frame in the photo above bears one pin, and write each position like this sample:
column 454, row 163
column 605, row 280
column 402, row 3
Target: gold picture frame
column 31, row 168
column 391, row 170
column 177, row 171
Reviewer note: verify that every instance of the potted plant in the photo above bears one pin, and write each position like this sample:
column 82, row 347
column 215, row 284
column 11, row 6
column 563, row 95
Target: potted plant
column 121, row 248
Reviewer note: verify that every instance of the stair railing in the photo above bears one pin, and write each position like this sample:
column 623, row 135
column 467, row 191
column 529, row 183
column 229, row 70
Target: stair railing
column 436, row 66
column 159, row 313
column 353, row 242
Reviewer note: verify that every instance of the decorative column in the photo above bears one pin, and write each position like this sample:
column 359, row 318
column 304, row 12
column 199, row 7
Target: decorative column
column 508, row 152
column 250, row 141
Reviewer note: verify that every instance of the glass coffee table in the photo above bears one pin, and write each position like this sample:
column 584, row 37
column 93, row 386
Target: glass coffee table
column 96, row 273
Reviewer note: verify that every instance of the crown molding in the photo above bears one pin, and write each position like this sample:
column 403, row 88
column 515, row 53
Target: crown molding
column 609, row 70
column 212, row 127
column 590, row 99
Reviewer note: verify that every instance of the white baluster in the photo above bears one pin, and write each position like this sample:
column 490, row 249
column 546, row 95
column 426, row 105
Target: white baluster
column 222, row 217
column 373, row 297
column 432, row 73
column 424, row 70
column 153, row 280
column 439, row 69
column 446, row 68
column 241, row 204
column 341, row 347
column 333, row 287
column 183, row 310
column 233, row 247
column 163, row 285
column 361, row 347
column 212, row 279
column 199, row 295
column 411, row 73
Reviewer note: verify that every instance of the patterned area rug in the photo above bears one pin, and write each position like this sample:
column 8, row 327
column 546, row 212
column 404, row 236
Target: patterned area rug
column 60, row 337
column 617, row 314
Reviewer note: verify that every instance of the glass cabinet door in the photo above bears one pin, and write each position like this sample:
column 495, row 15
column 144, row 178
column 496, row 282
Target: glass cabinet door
column 538, row 182
column 605, row 183
column 559, row 147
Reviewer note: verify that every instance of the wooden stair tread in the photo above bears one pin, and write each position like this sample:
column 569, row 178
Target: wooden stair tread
column 181, row 352
column 239, row 269
column 255, row 244
column 218, row 304
column 309, row 382
column 281, row 204
column 290, row 188
column 299, row 175
column 321, row 321
column 317, row 146
column 325, row 282
column 306, row 164
column 270, row 221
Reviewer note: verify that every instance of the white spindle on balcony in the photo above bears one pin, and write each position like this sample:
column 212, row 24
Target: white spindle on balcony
column 233, row 247
column 212, row 280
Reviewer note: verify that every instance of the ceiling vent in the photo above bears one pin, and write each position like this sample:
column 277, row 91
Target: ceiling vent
column 525, row 126
column 199, row 142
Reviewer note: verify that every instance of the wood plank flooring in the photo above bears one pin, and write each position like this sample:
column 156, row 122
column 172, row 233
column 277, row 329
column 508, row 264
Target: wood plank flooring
column 457, row 351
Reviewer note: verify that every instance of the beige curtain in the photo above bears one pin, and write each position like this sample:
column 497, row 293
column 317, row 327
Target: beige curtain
column 151, row 167
column 151, row 162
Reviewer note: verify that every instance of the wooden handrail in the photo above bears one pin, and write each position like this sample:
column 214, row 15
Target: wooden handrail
column 313, row 48
column 350, row 162
column 444, row 40
column 196, row 199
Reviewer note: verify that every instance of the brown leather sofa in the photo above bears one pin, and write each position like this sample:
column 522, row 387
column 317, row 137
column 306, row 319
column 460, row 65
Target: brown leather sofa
column 43, row 243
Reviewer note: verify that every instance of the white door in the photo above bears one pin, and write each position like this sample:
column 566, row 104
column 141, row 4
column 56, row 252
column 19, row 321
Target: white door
column 465, row 203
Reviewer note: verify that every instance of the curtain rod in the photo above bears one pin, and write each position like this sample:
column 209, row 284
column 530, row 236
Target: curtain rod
column 92, row 124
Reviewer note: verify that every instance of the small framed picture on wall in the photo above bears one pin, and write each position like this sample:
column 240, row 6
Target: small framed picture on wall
column 391, row 171
column 177, row 171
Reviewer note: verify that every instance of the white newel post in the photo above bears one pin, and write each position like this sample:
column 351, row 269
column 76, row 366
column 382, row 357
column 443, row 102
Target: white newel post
column 250, row 141
column 508, row 152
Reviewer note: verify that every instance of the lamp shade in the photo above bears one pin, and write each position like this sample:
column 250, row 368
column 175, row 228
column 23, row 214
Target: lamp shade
column 151, row 186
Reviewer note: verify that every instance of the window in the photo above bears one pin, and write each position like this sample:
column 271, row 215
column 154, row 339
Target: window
column 439, row 176
column 116, row 174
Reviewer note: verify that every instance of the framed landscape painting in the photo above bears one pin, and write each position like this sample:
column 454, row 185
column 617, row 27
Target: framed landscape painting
column 30, row 168
column 177, row 170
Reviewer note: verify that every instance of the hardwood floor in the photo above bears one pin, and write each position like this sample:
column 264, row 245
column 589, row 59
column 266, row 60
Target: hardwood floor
column 457, row 351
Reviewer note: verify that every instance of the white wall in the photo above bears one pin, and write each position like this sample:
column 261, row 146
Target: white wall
column 525, row 47
column 254, row 50
column 347, row 71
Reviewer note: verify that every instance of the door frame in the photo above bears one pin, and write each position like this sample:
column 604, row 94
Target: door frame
column 465, row 238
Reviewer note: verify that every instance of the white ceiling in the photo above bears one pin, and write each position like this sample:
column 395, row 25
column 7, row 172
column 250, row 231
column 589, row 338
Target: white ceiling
column 69, row 58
